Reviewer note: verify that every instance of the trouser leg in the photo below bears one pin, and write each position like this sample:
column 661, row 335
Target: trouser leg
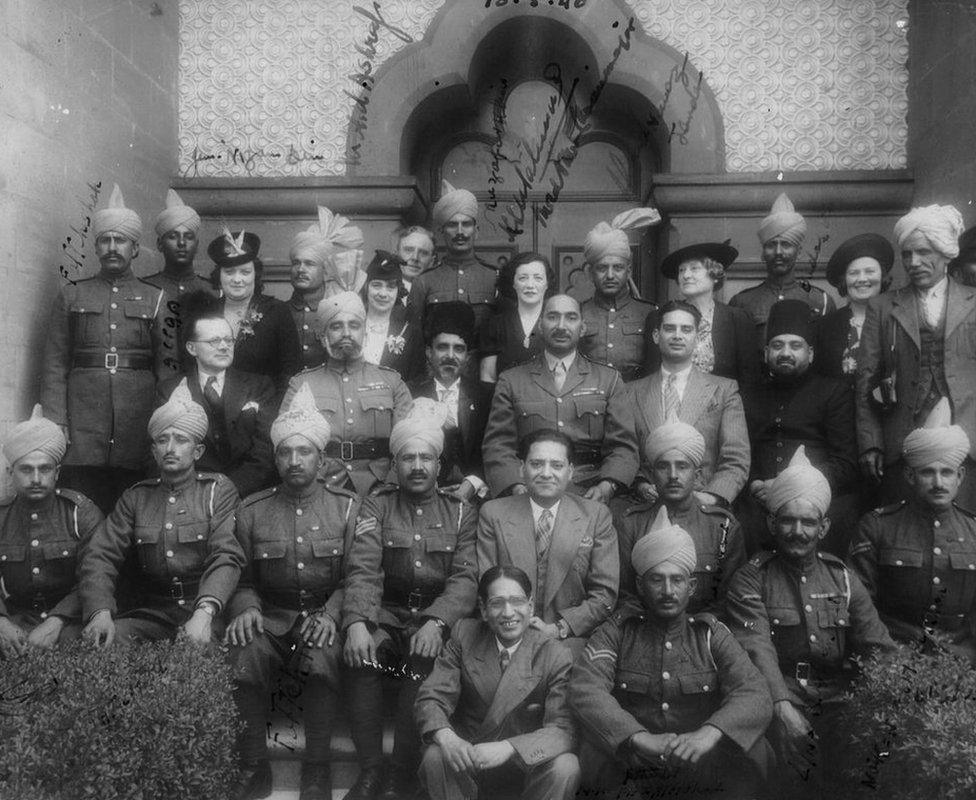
column 440, row 781
column 366, row 715
column 557, row 779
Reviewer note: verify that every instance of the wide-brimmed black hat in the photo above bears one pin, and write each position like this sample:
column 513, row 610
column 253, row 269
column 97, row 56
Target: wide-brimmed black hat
column 225, row 253
column 863, row 245
column 453, row 317
column 384, row 267
column 722, row 252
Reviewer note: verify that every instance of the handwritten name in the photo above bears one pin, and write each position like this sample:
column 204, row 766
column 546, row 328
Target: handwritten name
column 882, row 751
column 232, row 155
column 73, row 246
column 682, row 128
column 498, row 120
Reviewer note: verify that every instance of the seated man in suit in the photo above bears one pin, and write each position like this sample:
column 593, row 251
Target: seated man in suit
column 706, row 402
column 240, row 405
column 449, row 333
column 565, row 543
column 493, row 711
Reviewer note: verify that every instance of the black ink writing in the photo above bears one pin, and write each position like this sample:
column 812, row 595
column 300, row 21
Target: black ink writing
column 233, row 155
column 73, row 245
column 498, row 126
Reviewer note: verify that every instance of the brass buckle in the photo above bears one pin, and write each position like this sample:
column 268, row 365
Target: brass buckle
column 111, row 361
column 803, row 673
column 415, row 601
column 345, row 451
column 176, row 590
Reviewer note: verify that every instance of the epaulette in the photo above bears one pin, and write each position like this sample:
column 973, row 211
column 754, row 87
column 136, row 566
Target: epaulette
column 650, row 303
column 704, row 618
column 627, row 613
column 718, row 511
column 147, row 283
column 635, row 509
column 382, row 489
column 449, row 495
column 147, row 482
column 72, row 496
column 386, row 369
column 342, row 491
column 763, row 558
column 486, row 264
column 312, row 369
column 216, row 477
column 883, row 511
column 830, row 558
column 751, row 288
column 261, row 494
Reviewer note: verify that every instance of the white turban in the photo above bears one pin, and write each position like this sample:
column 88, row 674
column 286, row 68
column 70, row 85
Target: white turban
column 180, row 412
column 332, row 232
column 35, row 433
column 783, row 222
column 424, row 421
column 303, row 418
column 175, row 214
column 941, row 225
column 664, row 542
column 799, row 481
column 675, row 436
column 610, row 239
column 937, row 441
column 454, row 201
column 116, row 217
column 343, row 302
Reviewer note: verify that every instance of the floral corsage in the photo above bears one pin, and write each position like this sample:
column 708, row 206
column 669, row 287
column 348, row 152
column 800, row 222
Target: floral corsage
column 251, row 318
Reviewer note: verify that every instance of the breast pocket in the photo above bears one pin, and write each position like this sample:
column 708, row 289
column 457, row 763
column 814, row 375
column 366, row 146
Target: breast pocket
column 397, row 547
column 900, row 557
column 377, row 408
column 632, row 682
column 328, row 558
column 591, row 411
column 87, row 326
column 531, row 414
column 11, row 554
column 139, row 316
column 700, row 685
column 147, row 545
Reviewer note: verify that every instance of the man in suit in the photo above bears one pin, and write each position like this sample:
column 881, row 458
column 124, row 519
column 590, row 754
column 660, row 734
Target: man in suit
column 918, row 345
column 450, row 338
column 493, row 711
column 565, row 543
column 240, row 405
column 415, row 245
column 561, row 388
column 706, row 402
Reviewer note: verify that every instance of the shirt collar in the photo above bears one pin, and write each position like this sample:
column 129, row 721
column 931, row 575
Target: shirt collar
column 551, row 360
column 218, row 383
column 618, row 302
column 934, row 292
column 454, row 387
column 511, row 648
column 678, row 375
column 537, row 510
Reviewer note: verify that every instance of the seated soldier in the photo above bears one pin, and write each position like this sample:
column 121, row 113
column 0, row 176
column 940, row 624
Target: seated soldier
column 294, row 537
column 493, row 712
column 41, row 529
column 801, row 615
column 669, row 701
column 674, row 453
column 180, row 527
column 411, row 576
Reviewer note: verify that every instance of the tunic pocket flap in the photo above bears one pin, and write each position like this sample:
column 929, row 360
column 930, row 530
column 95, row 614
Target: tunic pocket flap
column 900, row 557
column 784, row 616
column 146, row 535
column 12, row 552
column 263, row 550
column 54, row 550
column 963, row 560
column 698, row 682
column 633, row 681
column 630, row 328
column 137, row 309
column 531, row 408
column 376, row 401
column 194, row 532
column 708, row 563
column 440, row 542
column 327, row 548
column 590, row 404
column 93, row 307
column 833, row 618
column 397, row 538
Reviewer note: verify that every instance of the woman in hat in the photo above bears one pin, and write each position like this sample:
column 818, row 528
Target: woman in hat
column 265, row 337
column 727, row 343
column 391, row 340
column 859, row 269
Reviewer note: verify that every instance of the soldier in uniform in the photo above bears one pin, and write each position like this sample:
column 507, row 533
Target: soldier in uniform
column 801, row 615
column 360, row 401
column 917, row 558
column 411, row 576
column 180, row 529
column 674, row 452
column 104, row 353
column 295, row 537
column 781, row 234
column 669, row 700
column 41, row 530
column 562, row 388
column 614, row 318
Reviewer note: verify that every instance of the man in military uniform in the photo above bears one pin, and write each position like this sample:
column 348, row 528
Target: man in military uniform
column 674, row 452
column 669, row 700
column 917, row 558
column 103, row 355
column 561, row 388
column 411, row 575
column 415, row 245
column 802, row 615
column 781, row 234
column 360, row 401
column 41, row 530
column 614, row 318
column 295, row 537
column 180, row 528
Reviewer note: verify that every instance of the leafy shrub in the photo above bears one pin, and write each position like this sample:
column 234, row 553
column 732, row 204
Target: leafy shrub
column 149, row 722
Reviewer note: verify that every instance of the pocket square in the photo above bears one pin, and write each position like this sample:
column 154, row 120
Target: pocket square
column 251, row 405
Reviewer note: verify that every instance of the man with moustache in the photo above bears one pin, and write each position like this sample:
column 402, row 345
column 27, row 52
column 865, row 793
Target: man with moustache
column 450, row 338
column 42, row 529
column 410, row 577
column 494, row 712
column 918, row 346
column 917, row 557
column 584, row 400
column 415, row 245
column 103, row 356
column 614, row 319
column 360, row 401
column 803, row 616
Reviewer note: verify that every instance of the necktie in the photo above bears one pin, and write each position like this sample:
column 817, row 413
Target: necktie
column 504, row 658
column 671, row 400
column 210, row 392
column 449, row 397
column 543, row 531
column 559, row 375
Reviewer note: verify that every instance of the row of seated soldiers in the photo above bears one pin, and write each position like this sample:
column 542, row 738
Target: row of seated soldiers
column 584, row 666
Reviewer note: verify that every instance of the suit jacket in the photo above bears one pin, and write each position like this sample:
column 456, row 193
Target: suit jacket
column 713, row 406
column 526, row 704
column 584, row 562
column 890, row 345
column 474, row 403
column 249, row 406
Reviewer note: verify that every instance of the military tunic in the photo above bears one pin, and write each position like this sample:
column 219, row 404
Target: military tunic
column 174, row 287
column 614, row 334
column 719, row 547
column 303, row 310
column 468, row 280
column 361, row 402
column 757, row 300
column 39, row 547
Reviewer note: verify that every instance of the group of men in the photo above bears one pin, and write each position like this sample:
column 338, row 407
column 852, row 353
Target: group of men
column 580, row 577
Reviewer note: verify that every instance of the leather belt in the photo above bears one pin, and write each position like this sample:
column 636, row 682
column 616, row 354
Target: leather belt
column 38, row 603
column 415, row 599
column 111, row 361
column 350, row 451
column 296, row 601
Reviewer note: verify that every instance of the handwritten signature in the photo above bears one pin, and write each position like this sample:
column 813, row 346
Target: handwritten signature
column 74, row 248
column 498, row 120
column 248, row 158
column 679, row 129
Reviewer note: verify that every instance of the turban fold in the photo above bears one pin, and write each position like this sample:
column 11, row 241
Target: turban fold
column 454, row 201
column 180, row 412
column 33, row 434
column 343, row 302
column 941, row 225
column 663, row 542
column 790, row 317
column 330, row 233
column 799, row 481
column 116, row 217
column 865, row 245
column 937, row 441
column 175, row 214
column 301, row 418
column 783, row 222
column 424, row 421
column 675, row 436
column 610, row 238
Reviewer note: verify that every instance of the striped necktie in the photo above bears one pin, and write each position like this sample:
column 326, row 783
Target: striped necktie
column 672, row 402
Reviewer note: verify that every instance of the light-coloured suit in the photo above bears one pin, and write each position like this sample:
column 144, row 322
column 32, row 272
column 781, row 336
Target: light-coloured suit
column 713, row 406
column 583, row 575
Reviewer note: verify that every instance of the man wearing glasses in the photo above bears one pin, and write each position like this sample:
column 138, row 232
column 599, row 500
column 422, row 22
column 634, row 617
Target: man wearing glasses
column 240, row 405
